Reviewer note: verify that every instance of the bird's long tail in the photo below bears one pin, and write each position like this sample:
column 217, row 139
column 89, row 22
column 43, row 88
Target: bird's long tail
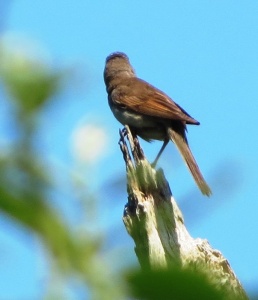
column 180, row 140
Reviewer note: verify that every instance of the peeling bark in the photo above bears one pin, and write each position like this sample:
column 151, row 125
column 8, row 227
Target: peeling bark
column 154, row 221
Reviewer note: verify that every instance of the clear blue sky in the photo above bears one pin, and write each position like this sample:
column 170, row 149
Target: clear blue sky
column 204, row 55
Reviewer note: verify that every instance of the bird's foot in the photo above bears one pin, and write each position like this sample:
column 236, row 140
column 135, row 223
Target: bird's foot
column 123, row 133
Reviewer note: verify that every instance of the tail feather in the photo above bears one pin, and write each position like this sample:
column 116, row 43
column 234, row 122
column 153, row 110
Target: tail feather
column 179, row 138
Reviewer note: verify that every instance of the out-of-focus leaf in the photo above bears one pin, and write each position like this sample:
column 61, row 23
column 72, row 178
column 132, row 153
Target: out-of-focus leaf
column 26, row 182
column 29, row 81
column 32, row 87
column 36, row 215
column 173, row 283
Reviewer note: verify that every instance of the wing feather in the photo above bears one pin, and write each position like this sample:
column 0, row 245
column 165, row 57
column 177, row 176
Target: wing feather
column 141, row 97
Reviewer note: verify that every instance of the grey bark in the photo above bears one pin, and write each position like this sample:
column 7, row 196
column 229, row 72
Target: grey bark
column 154, row 221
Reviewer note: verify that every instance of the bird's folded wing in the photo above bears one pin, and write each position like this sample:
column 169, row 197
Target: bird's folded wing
column 143, row 98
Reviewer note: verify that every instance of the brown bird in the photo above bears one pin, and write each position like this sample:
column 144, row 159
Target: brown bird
column 149, row 112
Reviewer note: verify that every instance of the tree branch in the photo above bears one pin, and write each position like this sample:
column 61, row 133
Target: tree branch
column 155, row 222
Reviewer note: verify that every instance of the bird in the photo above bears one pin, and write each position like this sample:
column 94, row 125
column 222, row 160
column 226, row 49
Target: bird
column 149, row 112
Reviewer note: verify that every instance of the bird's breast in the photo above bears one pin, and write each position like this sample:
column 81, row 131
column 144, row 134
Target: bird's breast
column 147, row 127
column 131, row 118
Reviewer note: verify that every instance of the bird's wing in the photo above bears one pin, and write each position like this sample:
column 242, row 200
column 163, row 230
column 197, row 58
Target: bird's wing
column 141, row 97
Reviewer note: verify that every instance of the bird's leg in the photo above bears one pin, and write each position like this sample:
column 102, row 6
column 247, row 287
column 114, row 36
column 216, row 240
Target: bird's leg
column 160, row 152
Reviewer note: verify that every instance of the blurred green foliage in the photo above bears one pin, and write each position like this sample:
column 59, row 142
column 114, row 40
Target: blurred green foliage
column 173, row 283
column 26, row 182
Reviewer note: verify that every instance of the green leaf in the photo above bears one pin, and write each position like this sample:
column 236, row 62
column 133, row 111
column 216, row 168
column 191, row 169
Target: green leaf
column 173, row 283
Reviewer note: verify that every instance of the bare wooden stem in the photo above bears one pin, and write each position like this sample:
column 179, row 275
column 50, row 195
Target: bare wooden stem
column 154, row 221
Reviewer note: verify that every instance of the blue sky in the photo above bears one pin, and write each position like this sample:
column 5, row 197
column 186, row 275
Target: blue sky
column 201, row 53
